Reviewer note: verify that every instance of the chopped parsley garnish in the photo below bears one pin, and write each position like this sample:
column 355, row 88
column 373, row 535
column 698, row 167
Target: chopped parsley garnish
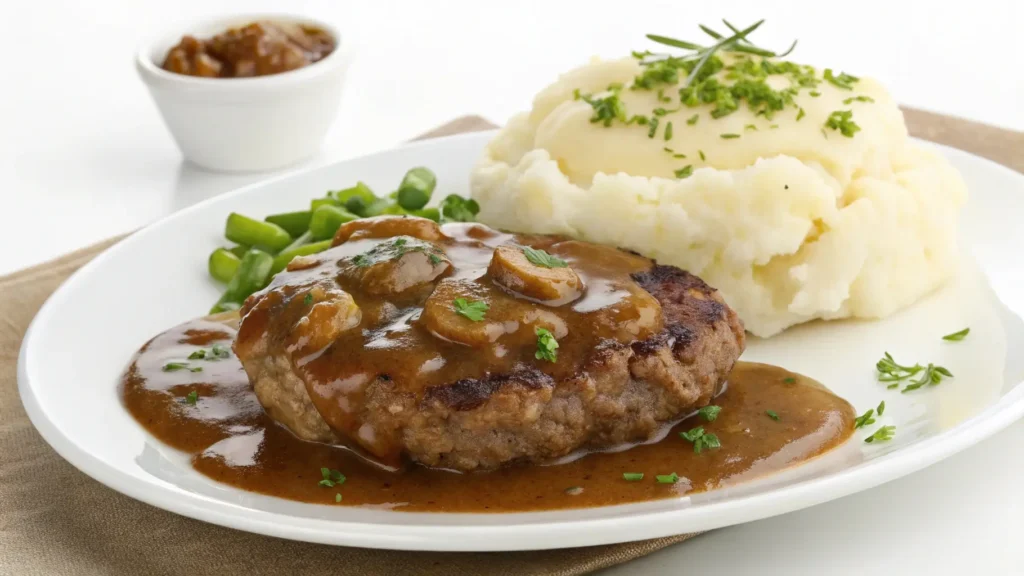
column 217, row 352
column 175, row 366
column 361, row 260
column 574, row 490
column 196, row 369
column 701, row 440
column 858, row 99
column 709, row 413
column 192, row 398
column 881, row 408
column 957, row 336
column 400, row 242
column 331, row 478
column 668, row 131
column 632, row 476
column 685, row 171
column 701, row 152
column 842, row 120
column 891, row 372
column 308, row 299
column 789, row 380
column 772, row 414
column 679, row 155
column 844, row 80
column 337, row 497
column 606, row 108
column 882, row 434
column 547, row 346
column 750, row 127
column 667, row 478
column 932, row 375
column 434, row 259
column 542, row 258
column 693, row 119
column 865, row 419
column 473, row 310
column 654, row 127
column 800, row 114
column 815, row 93
column 729, row 136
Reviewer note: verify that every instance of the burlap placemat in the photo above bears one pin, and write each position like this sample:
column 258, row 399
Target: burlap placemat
column 54, row 520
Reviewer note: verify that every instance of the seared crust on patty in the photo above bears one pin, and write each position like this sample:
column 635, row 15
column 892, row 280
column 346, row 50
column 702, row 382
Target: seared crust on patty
column 659, row 344
column 626, row 393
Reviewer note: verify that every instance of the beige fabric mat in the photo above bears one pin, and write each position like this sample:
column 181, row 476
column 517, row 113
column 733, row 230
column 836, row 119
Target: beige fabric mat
column 54, row 520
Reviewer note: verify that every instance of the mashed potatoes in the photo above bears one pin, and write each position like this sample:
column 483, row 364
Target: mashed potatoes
column 793, row 213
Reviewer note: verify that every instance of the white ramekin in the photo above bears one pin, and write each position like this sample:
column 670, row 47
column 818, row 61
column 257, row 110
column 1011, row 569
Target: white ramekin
column 246, row 124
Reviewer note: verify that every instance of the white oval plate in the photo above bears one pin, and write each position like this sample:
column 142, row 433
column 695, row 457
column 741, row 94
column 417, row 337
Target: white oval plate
column 82, row 339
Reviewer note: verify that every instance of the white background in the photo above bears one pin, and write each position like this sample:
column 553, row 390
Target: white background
column 84, row 156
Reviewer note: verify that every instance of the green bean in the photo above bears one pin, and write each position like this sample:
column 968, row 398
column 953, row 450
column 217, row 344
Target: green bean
column 356, row 205
column 245, row 230
column 294, row 223
column 378, row 207
column 416, row 187
column 239, row 250
column 281, row 260
column 223, row 265
column 431, row 213
column 326, row 221
column 306, row 238
column 360, row 190
column 252, row 275
column 318, row 202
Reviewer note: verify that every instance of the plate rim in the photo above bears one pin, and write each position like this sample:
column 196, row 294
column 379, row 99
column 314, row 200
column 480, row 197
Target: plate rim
column 508, row 537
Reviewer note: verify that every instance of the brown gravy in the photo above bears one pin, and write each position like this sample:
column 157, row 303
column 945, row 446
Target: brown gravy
column 232, row 441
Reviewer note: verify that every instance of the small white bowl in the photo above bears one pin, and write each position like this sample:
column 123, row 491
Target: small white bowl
column 246, row 124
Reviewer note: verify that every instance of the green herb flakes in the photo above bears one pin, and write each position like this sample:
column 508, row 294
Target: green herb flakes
column 865, row 419
column 881, row 435
column 330, row 479
column 843, row 81
column 543, row 259
column 667, row 478
column 701, row 440
column 632, row 476
column 473, row 310
column 772, row 414
column 547, row 345
column 842, row 121
column 685, row 171
column 709, row 413
column 957, row 336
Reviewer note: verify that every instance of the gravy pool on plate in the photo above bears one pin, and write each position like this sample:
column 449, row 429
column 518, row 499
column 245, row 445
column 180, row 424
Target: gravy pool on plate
column 233, row 441
column 631, row 348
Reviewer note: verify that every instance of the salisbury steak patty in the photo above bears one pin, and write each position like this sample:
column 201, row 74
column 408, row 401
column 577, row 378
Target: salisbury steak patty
column 411, row 339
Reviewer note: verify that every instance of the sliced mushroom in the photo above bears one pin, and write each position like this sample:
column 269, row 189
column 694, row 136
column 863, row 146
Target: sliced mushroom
column 396, row 265
column 554, row 286
column 330, row 312
column 388, row 226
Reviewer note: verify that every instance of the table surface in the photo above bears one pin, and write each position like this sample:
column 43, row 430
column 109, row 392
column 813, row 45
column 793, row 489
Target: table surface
column 84, row 156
